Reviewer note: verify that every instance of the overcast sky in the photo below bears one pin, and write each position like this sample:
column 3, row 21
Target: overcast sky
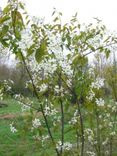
column 87, row 9
column 106, row 10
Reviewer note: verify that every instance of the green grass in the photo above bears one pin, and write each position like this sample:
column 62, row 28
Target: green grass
column 13, row 107
column 19, row 144
column 16, row 144
column 13, row 144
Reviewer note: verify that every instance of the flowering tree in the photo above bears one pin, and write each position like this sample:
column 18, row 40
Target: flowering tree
column 66, row 88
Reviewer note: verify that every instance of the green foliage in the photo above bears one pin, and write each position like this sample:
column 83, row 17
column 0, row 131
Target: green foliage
column 69, row 97
column 41, row 52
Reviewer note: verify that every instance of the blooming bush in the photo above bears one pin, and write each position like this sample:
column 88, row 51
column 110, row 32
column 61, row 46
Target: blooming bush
column 68, row 92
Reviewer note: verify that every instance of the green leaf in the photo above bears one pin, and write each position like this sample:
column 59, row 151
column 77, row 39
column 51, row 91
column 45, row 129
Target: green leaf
column 21, row 6
column 91, row 47
column 53, row 12
column 3, row 19
column 41, row 52
column 17, row 19
column 18, row 35
column 107, row 52
column 101, row 49
column 7, row 9
column 31, row 50
column 4, row 42
column 56, row 19
column 4, row 31
column 19, row 54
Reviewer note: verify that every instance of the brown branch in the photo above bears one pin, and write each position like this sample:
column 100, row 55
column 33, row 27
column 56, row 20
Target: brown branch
column 41, row 106
column 98, row 49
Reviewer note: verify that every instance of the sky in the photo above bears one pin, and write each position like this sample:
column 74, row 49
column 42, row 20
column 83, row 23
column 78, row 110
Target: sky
column 106, row 10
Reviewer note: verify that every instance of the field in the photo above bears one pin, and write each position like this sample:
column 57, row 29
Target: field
column 16, row 144
column 13, row 144
column 22, row 144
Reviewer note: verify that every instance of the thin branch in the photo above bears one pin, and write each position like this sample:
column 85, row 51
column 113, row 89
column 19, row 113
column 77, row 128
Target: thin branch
column 41, row 106
column 82, row 128
column 62, row 115
column 99, row 48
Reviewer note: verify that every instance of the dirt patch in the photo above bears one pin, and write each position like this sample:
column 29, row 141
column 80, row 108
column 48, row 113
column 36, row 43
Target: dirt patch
column 12, row 116
column 7, row 116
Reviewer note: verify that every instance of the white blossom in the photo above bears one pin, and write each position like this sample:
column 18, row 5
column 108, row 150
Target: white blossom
column 98, row 83
column 114, row 108
column 38, row 20
column 90, row 135
column 36, row 123
column 76, row 113
column 91, row 71
column 37, row 137
column 66, row 146
column 100, row 102
column 107, row 115
column 17, row 96
column 44, row 138
column 113, row 133
column 90, row 153
column 59, row 145
column 25, row 107
column 26, row 40
column 110, row 124
column 91, row 95
column 74, row 119
column 43, row 87
column 50, row 110
column 12, row 128
column 59, row 90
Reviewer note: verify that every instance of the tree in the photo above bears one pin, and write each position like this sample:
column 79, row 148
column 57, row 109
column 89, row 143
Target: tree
column 56, row 63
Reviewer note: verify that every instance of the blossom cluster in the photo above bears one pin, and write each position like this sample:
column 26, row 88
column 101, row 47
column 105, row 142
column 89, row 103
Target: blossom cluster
column 90, row 135
column 66, row 146
column 91, row 95
column 50, row 110
column 90, row 153
column 12, row 128
column 100, row 102
column 5, row 87
column 26, row 37
column 36, row 123
column 99, row 83
column 74, row 119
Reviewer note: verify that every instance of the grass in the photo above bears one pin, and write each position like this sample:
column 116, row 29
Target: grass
column 22, row 144
column 13, row 107
column 16, row 144
column 13, row 144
